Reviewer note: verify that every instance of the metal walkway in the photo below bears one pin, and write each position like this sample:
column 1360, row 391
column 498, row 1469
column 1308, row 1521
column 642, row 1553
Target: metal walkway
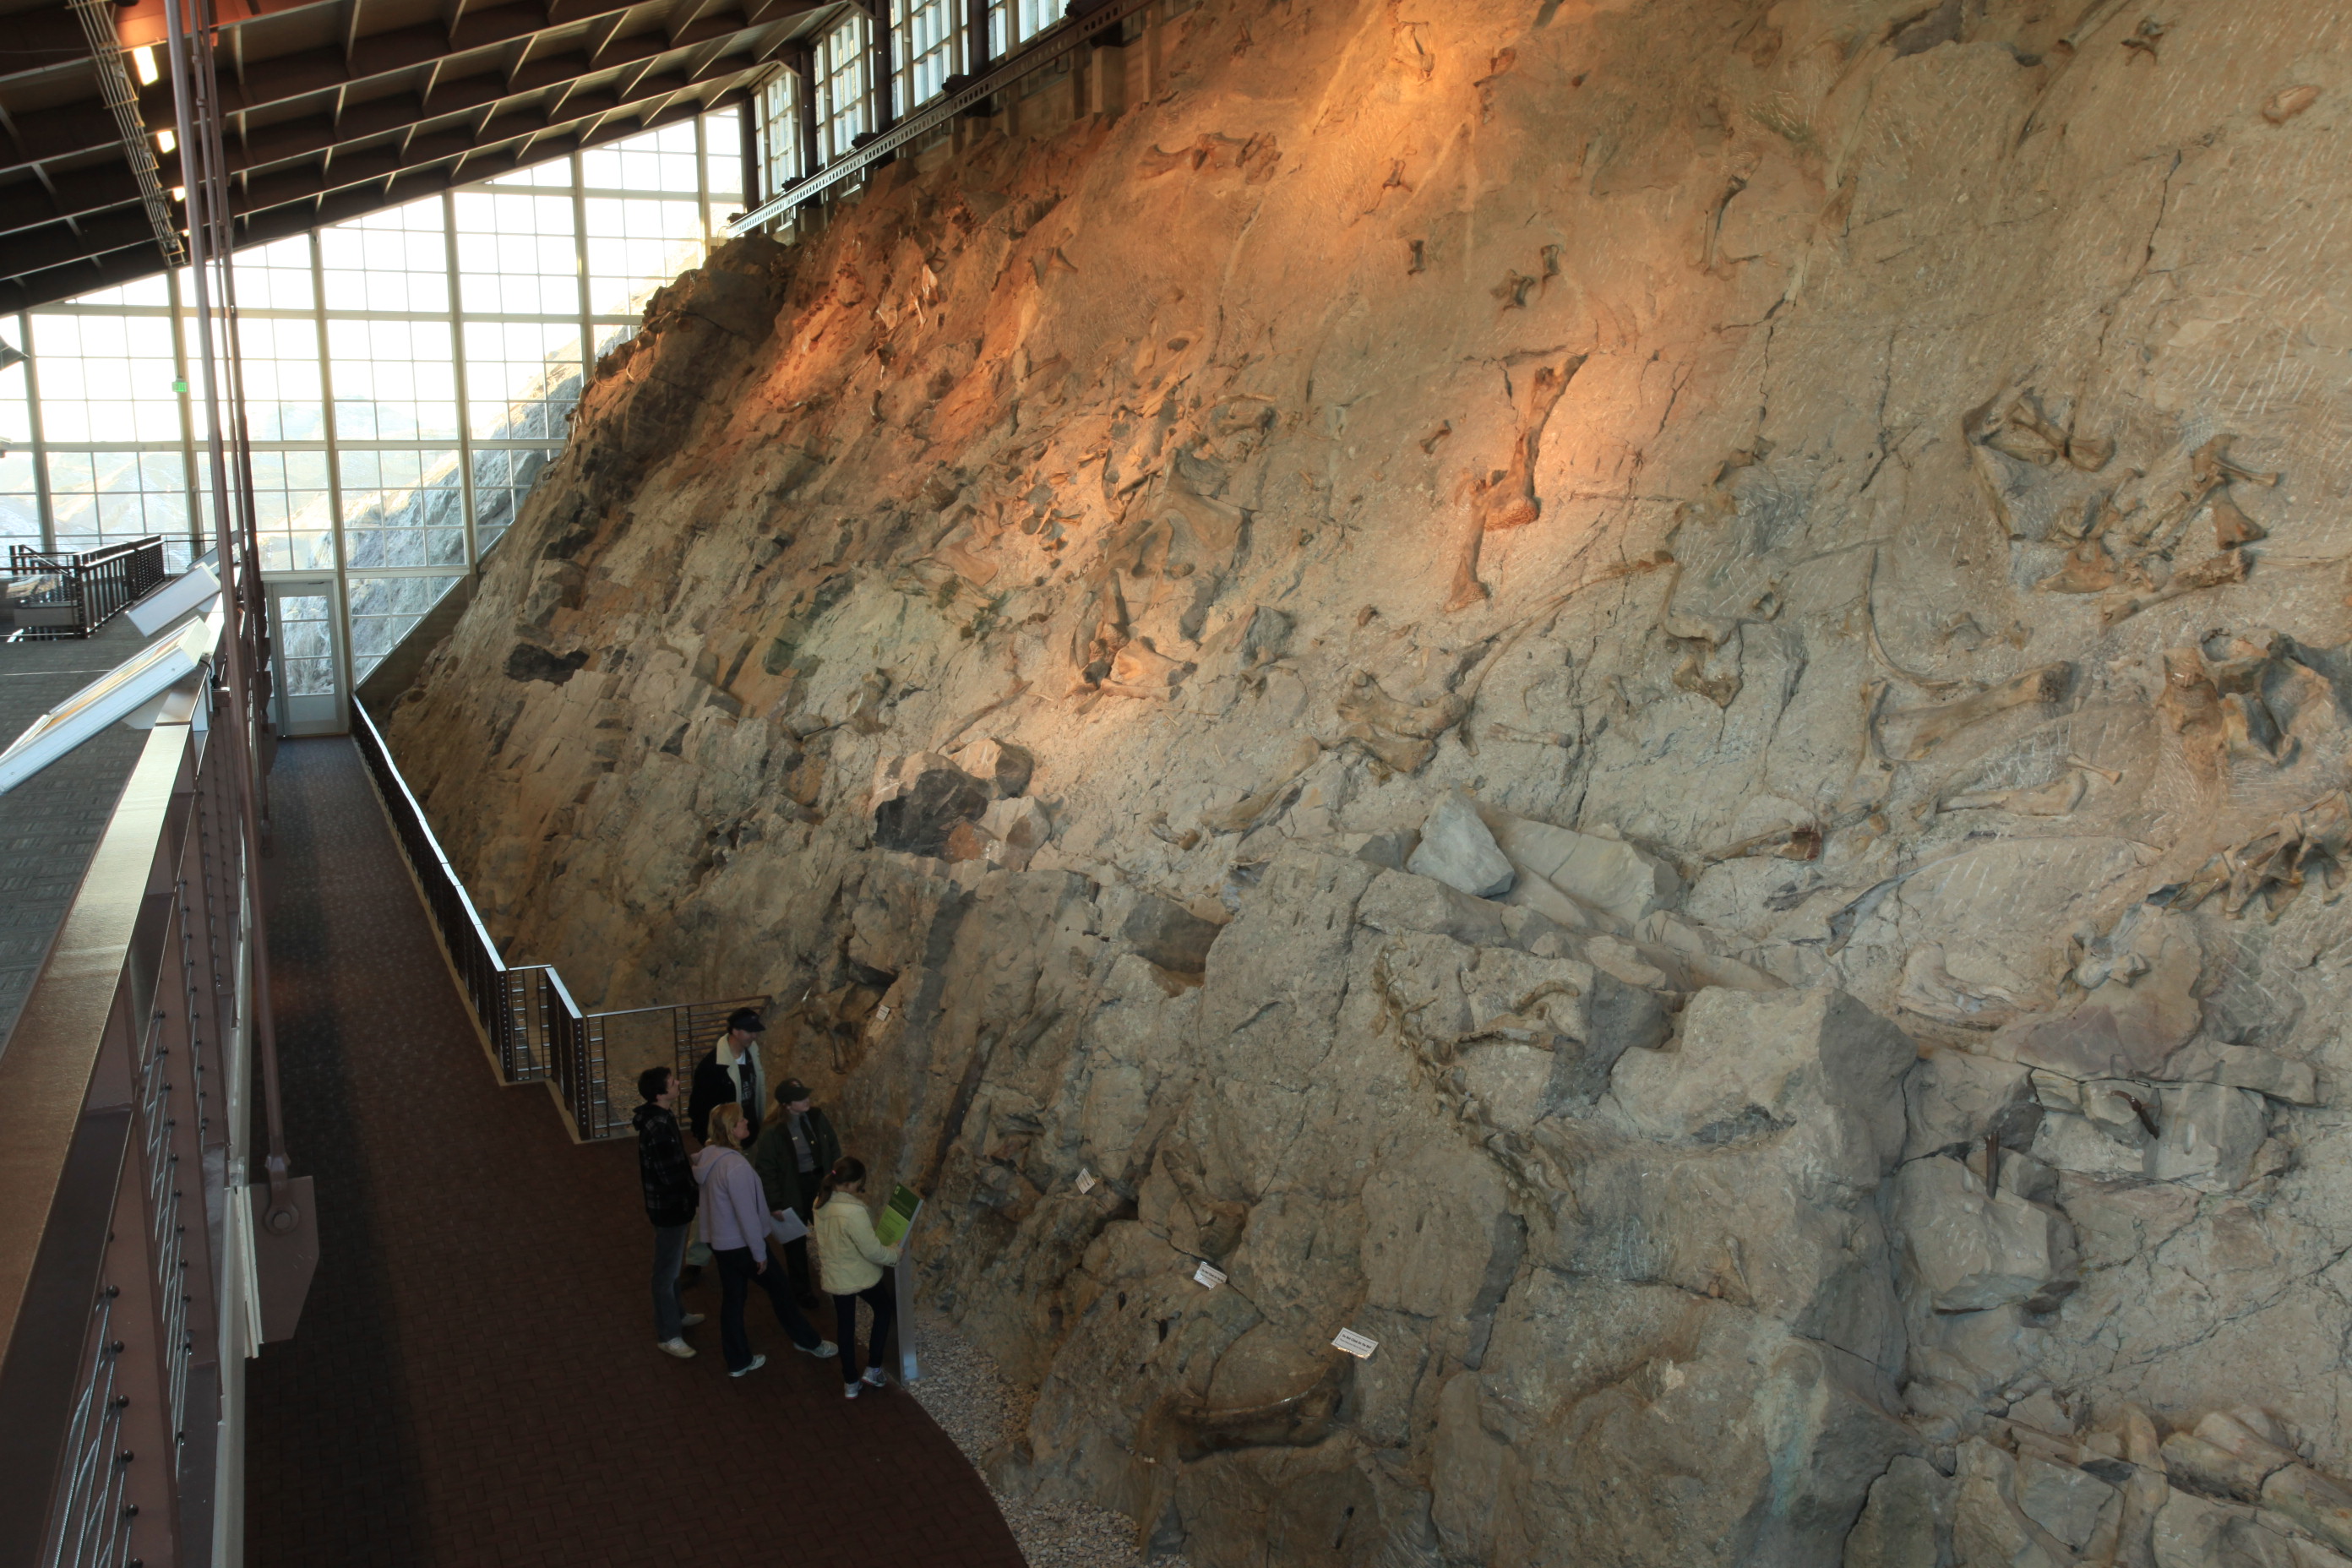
column 474, row 1380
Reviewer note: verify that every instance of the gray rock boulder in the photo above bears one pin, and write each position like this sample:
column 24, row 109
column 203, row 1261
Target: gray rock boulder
column 1907, row 1523
column 1458, row 849
column 1169, row 934
column 1966, row 1251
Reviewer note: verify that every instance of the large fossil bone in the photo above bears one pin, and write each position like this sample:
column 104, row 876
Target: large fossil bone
column 1910, row 733
column 2277, row 861
column 2214, row 572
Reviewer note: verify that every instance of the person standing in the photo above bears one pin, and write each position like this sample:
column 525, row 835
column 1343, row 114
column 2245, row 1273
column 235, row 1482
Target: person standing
column 735, row 1224
column 731, row 1070
column 792, row 1157
column 671, row 1196
column 854, row 1262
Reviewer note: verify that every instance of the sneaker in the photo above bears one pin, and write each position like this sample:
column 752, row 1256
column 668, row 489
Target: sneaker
column 757, row 1361
column 823, row 1350
column 876, row 1378
column 849, row 1389
column 691, row 1319
column 678, row 1348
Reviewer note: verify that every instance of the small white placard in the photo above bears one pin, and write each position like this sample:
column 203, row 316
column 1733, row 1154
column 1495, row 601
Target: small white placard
column 1086, row 1180
column 1355, row 1344
column 881, row 1014
column 1209, row 1274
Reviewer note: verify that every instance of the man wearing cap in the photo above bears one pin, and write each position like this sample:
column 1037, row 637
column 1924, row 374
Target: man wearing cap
column 792, row 1157
column 730, row 1071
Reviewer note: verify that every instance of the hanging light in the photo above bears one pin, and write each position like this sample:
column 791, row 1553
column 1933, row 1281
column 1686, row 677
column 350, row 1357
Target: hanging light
column 10, row 354
column 180, row 194
column 142, row 60
column 165, row 141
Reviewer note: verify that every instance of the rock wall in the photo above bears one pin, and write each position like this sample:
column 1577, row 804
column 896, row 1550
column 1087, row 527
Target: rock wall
column 1646, row 698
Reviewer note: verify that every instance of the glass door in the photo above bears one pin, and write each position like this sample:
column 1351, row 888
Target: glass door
column 307, row 689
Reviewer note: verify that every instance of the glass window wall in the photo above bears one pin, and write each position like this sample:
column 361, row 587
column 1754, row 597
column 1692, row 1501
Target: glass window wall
column 925, row 44
column 842, row 115
column 781, row 160
column 1013, row 22
column 408, row 376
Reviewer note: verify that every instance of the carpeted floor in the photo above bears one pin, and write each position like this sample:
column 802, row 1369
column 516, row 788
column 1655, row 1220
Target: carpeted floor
column 475, row 1382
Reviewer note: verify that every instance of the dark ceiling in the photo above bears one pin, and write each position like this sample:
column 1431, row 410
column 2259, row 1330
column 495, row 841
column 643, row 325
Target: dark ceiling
column 336, row 108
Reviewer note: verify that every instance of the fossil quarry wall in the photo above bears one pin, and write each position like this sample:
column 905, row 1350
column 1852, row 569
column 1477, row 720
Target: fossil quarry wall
column 1645, row 698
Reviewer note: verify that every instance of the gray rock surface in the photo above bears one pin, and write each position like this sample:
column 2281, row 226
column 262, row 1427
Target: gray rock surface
column 1458, row 849
column 1846, row 498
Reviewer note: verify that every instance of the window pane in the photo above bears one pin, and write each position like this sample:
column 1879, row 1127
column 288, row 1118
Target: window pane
column 291, row 503
column 395, row 261
column 636, row 245
column 274, row 277
column 385, row 610
column 522, row 379
column 106, row 378
column 501, row 479
column 113, row 497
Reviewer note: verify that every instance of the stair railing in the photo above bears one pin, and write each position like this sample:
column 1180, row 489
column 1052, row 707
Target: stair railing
column 531, row 1028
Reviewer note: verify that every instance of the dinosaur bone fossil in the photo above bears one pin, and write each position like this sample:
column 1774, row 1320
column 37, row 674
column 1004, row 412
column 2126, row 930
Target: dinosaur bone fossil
column 2277, row 861
column 2229, row 567
column 1910, row 733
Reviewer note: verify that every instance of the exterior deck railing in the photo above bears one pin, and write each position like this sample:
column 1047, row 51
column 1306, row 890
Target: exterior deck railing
column 80, row 592
column 531, row 1027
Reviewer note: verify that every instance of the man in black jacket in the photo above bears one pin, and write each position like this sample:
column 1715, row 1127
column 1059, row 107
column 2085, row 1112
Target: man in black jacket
column 731, row 1070
column 792, row 1157
column 671, row 1197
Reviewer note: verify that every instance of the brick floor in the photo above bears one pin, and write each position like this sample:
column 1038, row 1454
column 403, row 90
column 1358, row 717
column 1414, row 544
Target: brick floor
column 475, row 1381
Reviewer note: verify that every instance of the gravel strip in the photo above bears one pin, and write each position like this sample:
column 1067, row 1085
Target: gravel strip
column 973, row 1404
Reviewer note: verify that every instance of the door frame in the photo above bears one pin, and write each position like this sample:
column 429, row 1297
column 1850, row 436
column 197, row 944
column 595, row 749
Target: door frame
column 324, row 584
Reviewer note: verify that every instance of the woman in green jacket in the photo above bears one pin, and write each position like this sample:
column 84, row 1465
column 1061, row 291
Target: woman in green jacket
column 853, row 1262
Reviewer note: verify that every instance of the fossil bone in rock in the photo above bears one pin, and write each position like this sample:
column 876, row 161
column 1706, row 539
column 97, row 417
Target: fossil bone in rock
column 2276, row 862
column 1910, row 733
column 2229, row 567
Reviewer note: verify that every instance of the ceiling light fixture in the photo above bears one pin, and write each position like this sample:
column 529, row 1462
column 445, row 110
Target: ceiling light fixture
column 165, row 141
column 10, row 354
column 142, row 60
column 180, row 194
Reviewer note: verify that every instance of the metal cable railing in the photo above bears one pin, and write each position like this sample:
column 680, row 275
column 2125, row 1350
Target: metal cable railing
column 533, row 1030
column 92, row 1529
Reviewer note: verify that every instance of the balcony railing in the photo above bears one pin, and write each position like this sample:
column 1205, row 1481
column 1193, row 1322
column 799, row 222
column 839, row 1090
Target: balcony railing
column 531, row 1027
column 128, row 1245
column 72, row 594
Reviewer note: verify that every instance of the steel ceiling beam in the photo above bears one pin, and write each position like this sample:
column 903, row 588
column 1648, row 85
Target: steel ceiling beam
column 41, row 135
column 24, row 205
column 102, row 267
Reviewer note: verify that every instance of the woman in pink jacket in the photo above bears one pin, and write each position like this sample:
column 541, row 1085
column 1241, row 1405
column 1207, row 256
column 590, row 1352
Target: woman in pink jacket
column 735, row 1224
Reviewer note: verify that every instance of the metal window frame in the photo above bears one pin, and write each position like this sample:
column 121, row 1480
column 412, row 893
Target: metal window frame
column 330, row 443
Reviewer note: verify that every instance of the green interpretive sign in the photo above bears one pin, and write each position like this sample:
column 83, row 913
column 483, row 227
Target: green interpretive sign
column 899, row 1218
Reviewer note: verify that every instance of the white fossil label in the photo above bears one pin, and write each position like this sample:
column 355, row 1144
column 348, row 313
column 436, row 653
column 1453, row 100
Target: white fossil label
column 881, row 1014
column 1355, row 1344
column 1087, row 1181
column 1209, row 1274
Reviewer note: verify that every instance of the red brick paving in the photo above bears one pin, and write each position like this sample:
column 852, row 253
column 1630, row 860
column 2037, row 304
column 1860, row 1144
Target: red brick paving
column 475, row 1382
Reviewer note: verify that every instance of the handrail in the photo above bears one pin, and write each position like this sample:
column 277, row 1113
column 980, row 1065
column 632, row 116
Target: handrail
column 532, row 1029
column 128, row 1292
column 1033, row 57
column 93, row 585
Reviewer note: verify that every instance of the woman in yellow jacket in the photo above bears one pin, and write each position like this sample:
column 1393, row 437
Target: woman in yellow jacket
column 852, row 1260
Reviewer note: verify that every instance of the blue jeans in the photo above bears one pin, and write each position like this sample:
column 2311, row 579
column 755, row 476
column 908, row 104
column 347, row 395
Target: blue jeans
column 669, row 1252
column 736, row 1277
